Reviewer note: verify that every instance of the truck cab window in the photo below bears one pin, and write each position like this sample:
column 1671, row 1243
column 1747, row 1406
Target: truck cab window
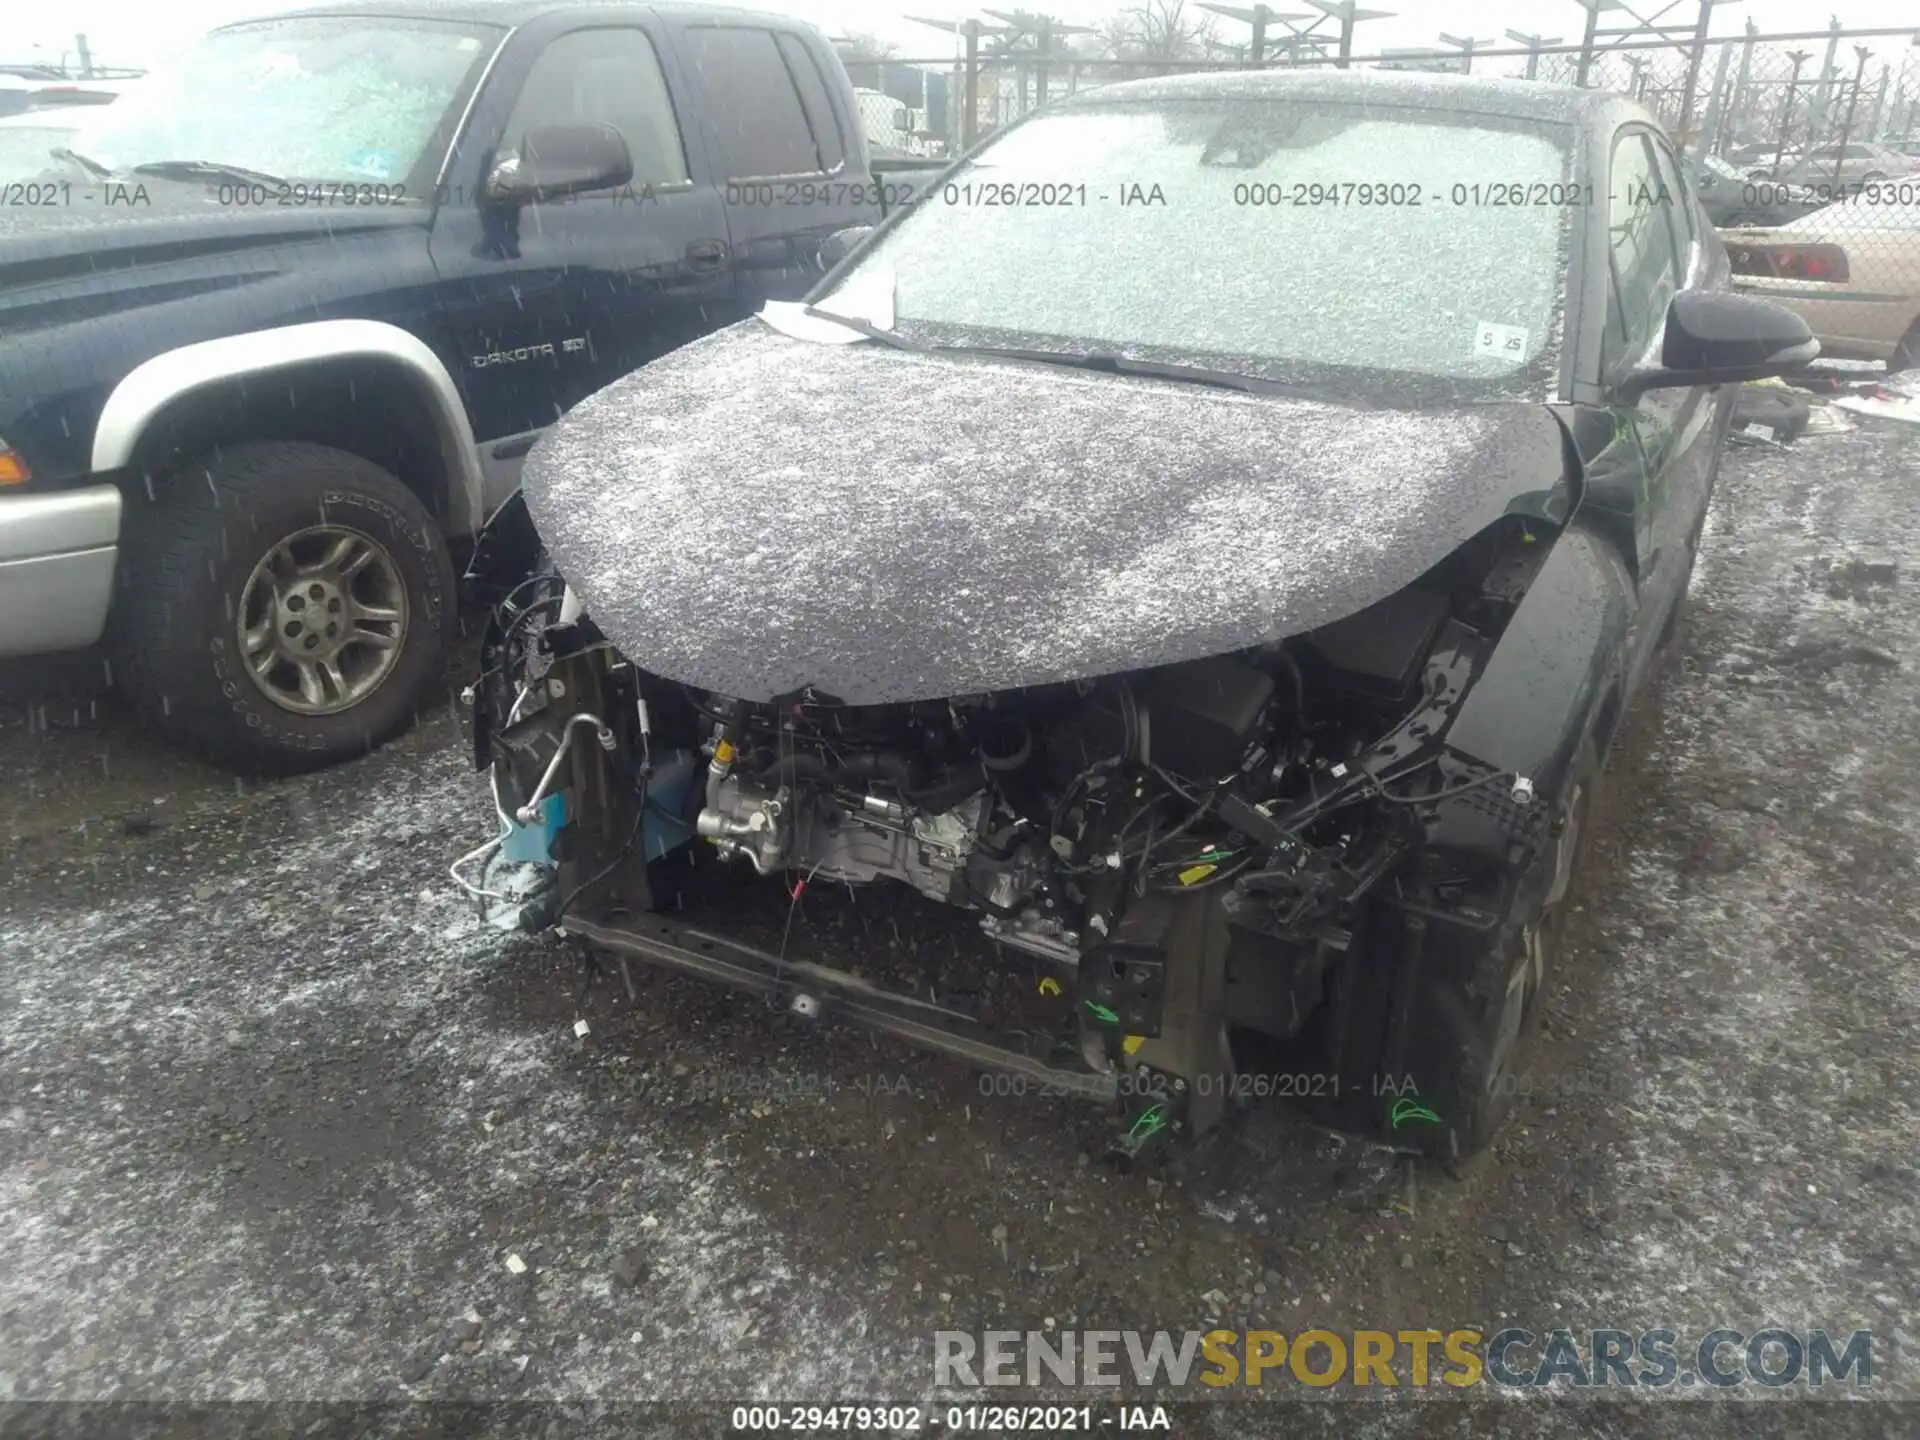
column 813, row 94
column 611, row 77
column 757, row 110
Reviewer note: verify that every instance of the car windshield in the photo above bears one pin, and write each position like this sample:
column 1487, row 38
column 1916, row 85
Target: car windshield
column 27, row 150
column 312, row 99
column 1393, row 251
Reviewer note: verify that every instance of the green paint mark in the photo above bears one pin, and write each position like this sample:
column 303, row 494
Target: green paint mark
column 1150, row 1121
column 1405, row 1110
column 1102, row 1013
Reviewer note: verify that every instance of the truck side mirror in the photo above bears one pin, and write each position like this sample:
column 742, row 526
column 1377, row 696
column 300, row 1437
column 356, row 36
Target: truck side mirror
column 555, row 161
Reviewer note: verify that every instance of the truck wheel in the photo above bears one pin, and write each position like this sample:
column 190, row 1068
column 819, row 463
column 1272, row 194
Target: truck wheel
column 283, row 606
column 1468, row 1033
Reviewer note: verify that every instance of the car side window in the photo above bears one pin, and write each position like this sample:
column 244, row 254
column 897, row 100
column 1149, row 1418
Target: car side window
column 1640, row 251
column 1682, row 212
column 813, row 95
column 762, row 123
column 611, row 77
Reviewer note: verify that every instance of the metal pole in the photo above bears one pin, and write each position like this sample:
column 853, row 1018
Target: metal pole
column 1258, row 52
column 1823, row 96
column 970, row 117
column 1586, row 41
column 1716, row 99
column 1535, row 44
column 1879, row 103
column 86, row 57
column 1040, row 65
column 1681, row 136
column 1853, row 105
column 1736, row 113
column 1799, row 58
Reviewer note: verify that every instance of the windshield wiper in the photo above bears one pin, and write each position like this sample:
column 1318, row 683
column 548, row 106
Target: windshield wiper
column 211, row 169
column 864, row 327
column 1106, row 362
column 105, row 172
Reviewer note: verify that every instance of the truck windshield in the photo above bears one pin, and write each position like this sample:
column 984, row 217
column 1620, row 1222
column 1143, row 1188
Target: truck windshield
column 1385, row 248
column 332, row 99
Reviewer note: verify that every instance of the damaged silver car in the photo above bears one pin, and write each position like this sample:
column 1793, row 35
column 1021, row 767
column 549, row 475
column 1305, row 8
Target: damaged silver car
column 1163, row 604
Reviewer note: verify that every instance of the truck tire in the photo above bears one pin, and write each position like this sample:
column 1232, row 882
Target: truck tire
column 1468, row 1033
column 283, row 606
column 1906, row 355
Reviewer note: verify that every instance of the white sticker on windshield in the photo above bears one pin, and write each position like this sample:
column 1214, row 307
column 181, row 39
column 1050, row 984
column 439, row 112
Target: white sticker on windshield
column 868, row 296
column 1501, row 342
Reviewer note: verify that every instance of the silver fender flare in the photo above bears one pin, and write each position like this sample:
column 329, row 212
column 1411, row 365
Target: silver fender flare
column 154, row 384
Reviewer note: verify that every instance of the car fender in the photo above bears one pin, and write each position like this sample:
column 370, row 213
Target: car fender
column 155, row 384
column 1556, row 671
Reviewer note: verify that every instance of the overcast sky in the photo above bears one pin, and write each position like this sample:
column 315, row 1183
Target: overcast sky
column 139, row 32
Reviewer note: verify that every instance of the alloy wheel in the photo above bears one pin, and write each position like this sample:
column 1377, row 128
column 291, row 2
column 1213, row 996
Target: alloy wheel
column 322, row 620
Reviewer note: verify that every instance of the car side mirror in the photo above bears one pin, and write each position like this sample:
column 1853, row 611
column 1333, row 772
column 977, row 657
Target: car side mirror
column 555, row 161
column 842, row 243
column 1714, row 338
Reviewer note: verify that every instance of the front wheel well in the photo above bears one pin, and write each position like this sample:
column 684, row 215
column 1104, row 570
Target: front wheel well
column 363, row 405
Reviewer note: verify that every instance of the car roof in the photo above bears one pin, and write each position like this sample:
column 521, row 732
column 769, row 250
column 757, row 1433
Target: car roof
column 1463, row 94
column 509, row 13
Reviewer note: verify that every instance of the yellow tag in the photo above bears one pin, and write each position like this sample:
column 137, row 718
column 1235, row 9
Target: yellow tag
column 1049, row 985
column 723, row 753
column 1196, row 872
column 1133, row 1043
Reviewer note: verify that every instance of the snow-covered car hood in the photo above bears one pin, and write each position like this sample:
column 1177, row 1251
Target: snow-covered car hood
column 754, row 514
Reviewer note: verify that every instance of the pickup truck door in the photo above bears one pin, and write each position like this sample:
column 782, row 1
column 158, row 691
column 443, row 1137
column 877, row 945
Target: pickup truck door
column 777, row 109
column 541, row 305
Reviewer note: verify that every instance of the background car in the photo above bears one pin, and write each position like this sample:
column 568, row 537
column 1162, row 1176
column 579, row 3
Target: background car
column 1850, row 269
column 1855, row 163
column 61, row 94
column 1760, row 157
column 1732, row 198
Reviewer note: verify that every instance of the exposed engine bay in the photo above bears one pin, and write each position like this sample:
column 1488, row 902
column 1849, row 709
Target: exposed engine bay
column 1294, row 785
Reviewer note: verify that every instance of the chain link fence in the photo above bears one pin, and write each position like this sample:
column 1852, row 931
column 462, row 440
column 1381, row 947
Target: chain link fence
column 1804, row 147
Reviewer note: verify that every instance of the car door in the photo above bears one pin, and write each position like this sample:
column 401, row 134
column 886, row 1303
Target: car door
column 792, row 164
column 553, row 301
column 1699, row 413
column 1657, row 473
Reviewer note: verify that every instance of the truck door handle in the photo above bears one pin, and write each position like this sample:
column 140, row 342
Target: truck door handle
column 707, row 254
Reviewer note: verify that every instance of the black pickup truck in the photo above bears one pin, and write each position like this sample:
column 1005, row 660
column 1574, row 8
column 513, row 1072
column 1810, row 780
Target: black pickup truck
column 278, row 328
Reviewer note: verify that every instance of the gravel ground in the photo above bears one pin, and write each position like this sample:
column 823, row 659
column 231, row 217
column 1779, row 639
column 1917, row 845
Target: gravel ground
column 282, row 1121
